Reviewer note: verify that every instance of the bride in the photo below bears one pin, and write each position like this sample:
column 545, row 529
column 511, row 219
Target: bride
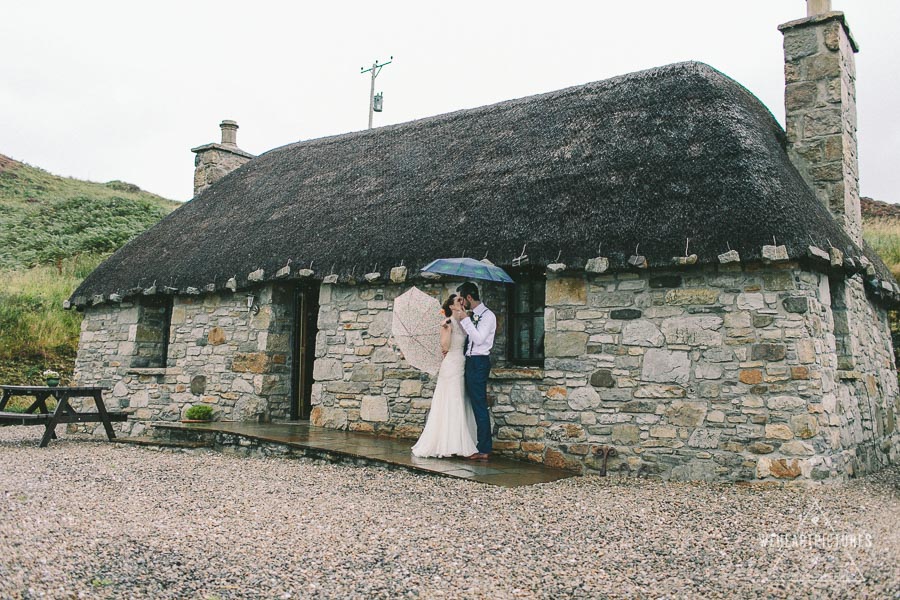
column 450, row 428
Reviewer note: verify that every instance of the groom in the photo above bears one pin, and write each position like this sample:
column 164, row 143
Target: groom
column 480, row 328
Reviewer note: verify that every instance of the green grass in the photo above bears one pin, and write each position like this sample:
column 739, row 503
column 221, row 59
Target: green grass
column 35, row 332
column 884, row 237
column 19, row 404
column 45, row 218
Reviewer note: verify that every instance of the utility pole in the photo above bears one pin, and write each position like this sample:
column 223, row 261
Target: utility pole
column 375, row 70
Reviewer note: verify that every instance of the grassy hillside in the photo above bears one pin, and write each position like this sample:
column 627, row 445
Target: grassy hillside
column 45, row 218
column 881, row 228
column 53, row 232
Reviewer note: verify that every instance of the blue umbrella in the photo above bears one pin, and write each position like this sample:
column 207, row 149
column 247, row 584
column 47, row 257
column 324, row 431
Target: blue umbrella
column 468, row 268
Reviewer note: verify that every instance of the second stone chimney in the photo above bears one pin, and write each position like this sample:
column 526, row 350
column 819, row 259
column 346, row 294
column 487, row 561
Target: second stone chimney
column 820, row 109
column 215, row 161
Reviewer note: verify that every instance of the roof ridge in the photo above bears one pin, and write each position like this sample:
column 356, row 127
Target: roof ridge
column 693, row 66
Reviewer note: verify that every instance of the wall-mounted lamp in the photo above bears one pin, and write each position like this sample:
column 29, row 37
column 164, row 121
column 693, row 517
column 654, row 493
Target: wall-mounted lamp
column 252, row 306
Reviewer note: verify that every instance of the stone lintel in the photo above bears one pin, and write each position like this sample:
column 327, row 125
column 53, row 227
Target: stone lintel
column 222, row 148
column 520, row 373
column 154, row 371
column 822, row 18
column 848, row 374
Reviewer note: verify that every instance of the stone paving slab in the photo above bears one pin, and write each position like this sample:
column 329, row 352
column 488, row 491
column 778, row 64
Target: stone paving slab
column 503, row 472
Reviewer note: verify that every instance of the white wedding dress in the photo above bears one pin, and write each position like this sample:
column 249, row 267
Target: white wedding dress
column 450, row 428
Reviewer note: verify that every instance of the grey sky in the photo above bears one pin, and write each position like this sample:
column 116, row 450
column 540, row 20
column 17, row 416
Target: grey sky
column 123, row 90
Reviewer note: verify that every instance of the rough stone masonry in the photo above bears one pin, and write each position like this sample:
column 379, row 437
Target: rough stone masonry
column 722, row 372
column 718, row 373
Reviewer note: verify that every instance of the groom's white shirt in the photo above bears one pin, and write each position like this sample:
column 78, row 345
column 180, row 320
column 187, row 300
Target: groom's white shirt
column 481, row 338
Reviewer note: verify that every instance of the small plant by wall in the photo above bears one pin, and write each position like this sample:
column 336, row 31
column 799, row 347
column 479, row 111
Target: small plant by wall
column 199, row 412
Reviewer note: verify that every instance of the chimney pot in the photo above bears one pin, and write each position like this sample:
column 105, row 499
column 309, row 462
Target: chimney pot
column 817, row 7
column 229, row 132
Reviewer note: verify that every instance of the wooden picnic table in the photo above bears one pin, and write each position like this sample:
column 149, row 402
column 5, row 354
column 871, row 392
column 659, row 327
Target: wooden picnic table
column 37, row 412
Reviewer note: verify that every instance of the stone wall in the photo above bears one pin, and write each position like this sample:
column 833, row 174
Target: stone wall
column 219, row 354
column 709, row 374
column 717, row 373
column 723, row 373
column 276, row 384
column 362, row 382
column 864, row 400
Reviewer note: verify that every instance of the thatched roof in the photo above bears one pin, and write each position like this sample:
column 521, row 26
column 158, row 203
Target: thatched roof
column 638, row 162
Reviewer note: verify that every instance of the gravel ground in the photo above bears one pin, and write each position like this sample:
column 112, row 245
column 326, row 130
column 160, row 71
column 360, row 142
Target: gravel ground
column 100, row 520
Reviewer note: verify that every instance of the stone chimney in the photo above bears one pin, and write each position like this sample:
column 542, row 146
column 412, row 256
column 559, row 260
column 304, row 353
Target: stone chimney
column 820, row 109
column 215, row 161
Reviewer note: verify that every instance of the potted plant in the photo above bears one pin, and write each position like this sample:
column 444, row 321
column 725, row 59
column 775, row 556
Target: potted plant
column 51, row 377
column 198, row 413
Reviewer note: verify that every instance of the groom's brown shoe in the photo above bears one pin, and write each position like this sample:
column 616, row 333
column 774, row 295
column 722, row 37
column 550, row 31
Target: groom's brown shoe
column 479, row 456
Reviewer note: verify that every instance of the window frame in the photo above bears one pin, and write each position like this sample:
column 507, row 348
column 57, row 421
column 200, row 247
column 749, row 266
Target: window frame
column 840, row 317
column 163, row 305
column 535, row 279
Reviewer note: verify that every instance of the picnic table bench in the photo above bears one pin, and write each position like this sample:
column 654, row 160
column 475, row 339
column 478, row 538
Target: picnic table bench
column 37, row 412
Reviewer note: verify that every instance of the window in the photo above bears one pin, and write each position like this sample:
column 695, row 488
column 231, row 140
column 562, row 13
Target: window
column 526, row 319
column 843, row 340
column 151, row 337
column 894, row 320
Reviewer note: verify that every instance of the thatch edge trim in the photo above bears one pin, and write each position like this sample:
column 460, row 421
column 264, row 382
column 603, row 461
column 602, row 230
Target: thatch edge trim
column 885, row 291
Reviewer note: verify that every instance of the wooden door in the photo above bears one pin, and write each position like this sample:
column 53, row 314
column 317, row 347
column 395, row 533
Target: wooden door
column 306, row 316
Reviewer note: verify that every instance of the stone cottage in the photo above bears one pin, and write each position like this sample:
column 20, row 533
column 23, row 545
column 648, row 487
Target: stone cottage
column 693, row 288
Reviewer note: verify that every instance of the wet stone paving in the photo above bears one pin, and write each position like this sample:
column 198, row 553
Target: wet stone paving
column 377, row 450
